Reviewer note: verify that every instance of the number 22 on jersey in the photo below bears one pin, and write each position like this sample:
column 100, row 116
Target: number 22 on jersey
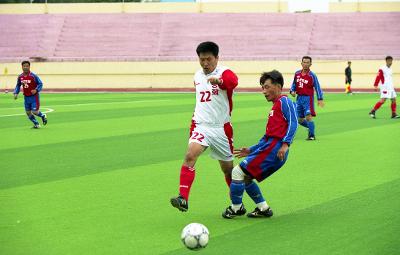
column 205, row 96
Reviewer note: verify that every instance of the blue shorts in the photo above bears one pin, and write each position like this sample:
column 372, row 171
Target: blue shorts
column 264, row 161
column 32, row 103
column 305, row 106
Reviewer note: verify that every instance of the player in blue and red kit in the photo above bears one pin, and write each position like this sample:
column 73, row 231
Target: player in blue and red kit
column 266, row 157
column 31, row 86
column 304, row 83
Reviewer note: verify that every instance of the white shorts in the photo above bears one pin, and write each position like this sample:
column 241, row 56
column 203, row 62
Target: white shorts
column 388, row 93
column 219, row 139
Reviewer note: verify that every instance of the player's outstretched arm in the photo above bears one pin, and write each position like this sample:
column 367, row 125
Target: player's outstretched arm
column 242, row 152
column 321, row 103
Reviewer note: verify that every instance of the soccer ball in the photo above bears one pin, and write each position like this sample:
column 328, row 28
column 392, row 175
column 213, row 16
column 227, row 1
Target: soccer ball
column 195, row 236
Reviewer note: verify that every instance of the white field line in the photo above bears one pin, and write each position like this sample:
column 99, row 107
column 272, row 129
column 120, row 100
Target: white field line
column 23, row 114
column 85, row 104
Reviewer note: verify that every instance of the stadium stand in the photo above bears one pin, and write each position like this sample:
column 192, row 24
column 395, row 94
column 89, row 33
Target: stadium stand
column 172, row 37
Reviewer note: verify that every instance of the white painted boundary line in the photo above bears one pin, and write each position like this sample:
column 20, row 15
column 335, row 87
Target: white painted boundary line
column 23, row 114
column 115, row 102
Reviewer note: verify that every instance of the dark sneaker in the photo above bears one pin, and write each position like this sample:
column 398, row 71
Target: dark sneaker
column 180, row 203
column 311, row 138
column 372, row 114
column 395, row 116
column 44, row 119
column 257, row 213
column 36, row 126
column 230, row 213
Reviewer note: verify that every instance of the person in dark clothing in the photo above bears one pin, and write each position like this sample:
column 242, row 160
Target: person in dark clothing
column 347, row 73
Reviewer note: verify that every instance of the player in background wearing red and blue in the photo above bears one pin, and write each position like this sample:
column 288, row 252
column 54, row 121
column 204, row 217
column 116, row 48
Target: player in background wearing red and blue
column 269, row 155
column 31, row 86
column 304, row 83
column 387, row 89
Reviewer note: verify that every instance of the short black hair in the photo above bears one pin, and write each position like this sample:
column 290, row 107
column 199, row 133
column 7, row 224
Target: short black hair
column 275, row 76
column 25, row 62
column 206, row 47
column 348, row 62
column 306, row 57
column 389, row 58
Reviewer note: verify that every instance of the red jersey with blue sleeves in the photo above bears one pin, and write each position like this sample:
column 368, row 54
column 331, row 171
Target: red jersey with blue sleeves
column 304, row 84
column 28, row 82
column 282, row 122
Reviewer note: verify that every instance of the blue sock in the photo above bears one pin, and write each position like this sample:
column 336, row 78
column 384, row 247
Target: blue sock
column 33, row 119
column 311, row 128
column 304, row 123
column 254, row 192
column 237, row 190
column 40, row 114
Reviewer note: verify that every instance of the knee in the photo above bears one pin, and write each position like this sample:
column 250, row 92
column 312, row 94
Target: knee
column 190, row 157
column 238, row 174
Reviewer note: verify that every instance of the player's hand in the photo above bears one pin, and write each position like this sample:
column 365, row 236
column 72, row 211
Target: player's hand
column 293, row 93
column 242, row 152
column 214, row 80
column 15, row 96
column 375, row 89
column 321, row 103
column 282, row 151
column 34, row 91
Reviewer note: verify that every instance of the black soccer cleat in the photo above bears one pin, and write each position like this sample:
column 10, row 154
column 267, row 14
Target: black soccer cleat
column 395, row 116
column 311, row 138
column 44, row 119
column 372, row 114
column 180, row 203
column 257, row 213
column 230, row 213
column 36, row 126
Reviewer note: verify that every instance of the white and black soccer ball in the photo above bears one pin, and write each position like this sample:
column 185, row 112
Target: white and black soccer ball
column 195, row 236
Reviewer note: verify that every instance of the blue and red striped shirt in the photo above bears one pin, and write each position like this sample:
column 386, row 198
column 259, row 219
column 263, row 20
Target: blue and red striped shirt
column 29, row 82
column 304, row 84
column 282, row 122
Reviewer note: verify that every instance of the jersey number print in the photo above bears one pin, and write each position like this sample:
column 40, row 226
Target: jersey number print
column 205, row 96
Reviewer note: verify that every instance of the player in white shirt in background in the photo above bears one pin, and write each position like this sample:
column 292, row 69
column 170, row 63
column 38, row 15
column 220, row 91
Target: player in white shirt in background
column 211, row 127
column 387, row 89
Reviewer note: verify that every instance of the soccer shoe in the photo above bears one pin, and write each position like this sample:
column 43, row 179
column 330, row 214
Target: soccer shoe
column 372, row 114
column 44, row 119
column 395, row 116
column 311, row 138
column 230, row 213
column 257, row 213
column 36, row 126
column 180, row 203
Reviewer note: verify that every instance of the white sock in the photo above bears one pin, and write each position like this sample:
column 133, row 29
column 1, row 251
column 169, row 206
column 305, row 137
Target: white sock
column 236, row 207
column 263, row 206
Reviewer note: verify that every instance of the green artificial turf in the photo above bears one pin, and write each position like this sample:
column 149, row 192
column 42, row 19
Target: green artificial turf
column 97, row 179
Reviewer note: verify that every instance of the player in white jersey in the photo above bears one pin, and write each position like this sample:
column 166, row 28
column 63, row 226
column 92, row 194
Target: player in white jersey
column 386, row 88
column 211, row 127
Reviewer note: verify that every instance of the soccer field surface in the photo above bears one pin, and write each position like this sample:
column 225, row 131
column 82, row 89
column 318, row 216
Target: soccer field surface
column 98, row 178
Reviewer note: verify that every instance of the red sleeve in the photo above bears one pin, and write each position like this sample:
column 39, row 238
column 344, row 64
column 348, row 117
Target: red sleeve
column 229, row 80
column 379, row 78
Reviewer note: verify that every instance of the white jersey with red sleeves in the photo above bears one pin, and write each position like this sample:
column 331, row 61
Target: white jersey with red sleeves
column 214, row 102
column 385, row 77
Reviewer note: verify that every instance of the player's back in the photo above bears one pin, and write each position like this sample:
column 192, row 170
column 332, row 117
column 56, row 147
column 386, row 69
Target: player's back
column 213, row 104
